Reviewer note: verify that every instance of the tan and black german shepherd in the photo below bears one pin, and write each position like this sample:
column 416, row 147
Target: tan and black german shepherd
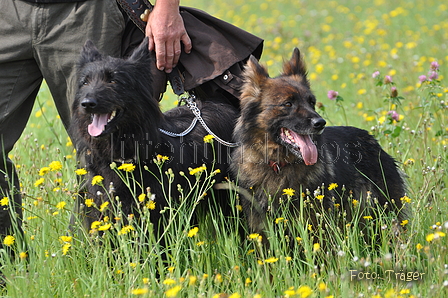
column 285, row 145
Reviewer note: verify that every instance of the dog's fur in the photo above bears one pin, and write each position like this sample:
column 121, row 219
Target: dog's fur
column 121, row 89
column 284, row 144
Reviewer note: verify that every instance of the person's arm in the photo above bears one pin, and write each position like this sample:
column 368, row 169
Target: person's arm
column 165, row 30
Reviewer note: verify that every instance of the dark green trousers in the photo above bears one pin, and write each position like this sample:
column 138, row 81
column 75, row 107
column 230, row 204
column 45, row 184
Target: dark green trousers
column 43, row 42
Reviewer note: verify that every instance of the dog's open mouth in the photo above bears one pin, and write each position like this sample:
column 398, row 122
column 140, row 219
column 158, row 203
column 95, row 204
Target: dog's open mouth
column 300, row 144
column 99, row 123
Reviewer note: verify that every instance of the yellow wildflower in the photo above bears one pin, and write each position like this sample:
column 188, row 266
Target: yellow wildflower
column 151, row 205
column 141, row 197
column 44, row 170
column 235, row 295
column 66, row 238
column 23, row 255
column 405, row 199
column 320, row 197
column 81, row 172
column 419, row 246
column 355, row 202
column 404, row 222
column 279, row 220
column 125, row 230
column 39, row 181
column 289, row 191
column 61, row 205
column 139, row 291
column 435, row 236
column 169, row 281
column 89, row 202
column 192, row 280
column 368, row 217
column 173, row 291
column 95, row 225
column 193, row 232
column 103, row 206
column 271, row 260
column 9, row 240
column 198, row 170
column 316, row 247
column 208, row 139
column 304, row 291
column 97, row 179
column 104, row 227
column 65, row 248
column 128, row 167
column 55, row 165
column 4, row 201
column 332, row 186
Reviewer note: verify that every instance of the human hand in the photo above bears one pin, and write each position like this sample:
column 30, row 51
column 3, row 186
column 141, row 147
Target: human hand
column 165, row 30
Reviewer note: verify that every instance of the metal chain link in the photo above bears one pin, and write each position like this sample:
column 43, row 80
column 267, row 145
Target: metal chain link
column 191, row 104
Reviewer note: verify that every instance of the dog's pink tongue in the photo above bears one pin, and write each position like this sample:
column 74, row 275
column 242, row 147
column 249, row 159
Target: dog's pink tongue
column 307, row 148
column 98, row 123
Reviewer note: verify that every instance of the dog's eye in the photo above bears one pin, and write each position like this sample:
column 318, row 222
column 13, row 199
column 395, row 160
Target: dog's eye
column 287, row 104
column 112, row 81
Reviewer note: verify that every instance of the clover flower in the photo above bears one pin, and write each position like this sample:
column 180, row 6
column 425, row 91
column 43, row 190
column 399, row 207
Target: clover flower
column 332, row 95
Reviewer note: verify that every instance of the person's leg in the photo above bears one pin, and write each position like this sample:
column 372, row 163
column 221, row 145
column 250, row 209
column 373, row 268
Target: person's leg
column 20, row 79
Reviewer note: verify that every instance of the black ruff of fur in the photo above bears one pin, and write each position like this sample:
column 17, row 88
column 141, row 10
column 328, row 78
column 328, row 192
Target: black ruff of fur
column 115, row 118
column 285, row 145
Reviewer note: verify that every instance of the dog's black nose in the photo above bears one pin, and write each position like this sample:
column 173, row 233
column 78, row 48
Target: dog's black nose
column 89, row 103
column 318, row 123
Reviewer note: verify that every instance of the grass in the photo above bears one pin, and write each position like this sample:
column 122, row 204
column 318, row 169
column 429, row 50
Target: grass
column 343, row 44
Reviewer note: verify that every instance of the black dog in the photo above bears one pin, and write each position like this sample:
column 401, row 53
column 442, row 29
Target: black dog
column 284, row 146
column 116, row 120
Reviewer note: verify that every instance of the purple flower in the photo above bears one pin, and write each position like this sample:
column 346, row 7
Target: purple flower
column 394, row 115
column 422, row 78
column 332, row 95
column 387, row 79
column 375, row 74
column 433, row 75
column 434, row 65
column 393, row 92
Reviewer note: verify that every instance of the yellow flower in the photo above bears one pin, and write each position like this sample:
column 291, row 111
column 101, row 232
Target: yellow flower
column 419, row 246
column 271, row 260
column 304, row 291
column 198, row 170
column 208, row 139
column 81, row 172
column 355, row 202
column 192, row 280
column 65, row 248
column 39, row 181
column 151, row 205
column 254, row 236
column 235, row 295
column 104, row 206
column 141, row 197
column 435, row 236
column 320, row 197
column 332, row 186
column 128, row 167
column 404, row 222
column 279, row 220
column 405, row 199
column 173, row 291
column 97, row 179
column 368, row 217
column 169, row 281
column 139, row 291
column 4, row 201
column 145, row 280
column 162, row 157
column 95, row 225
column 55, row 165
column 125, row 230
column 89, row 202
column 322, row 286
column 23, row 255
column 316, row 246
column 9, row 240
column 104, row 227
column 43, row 171
column 193, row 232
column 61, row 205
column 289, row 192
column 66, row 238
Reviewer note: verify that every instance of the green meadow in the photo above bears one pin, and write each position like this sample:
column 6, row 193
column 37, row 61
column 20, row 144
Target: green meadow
column 388, row 63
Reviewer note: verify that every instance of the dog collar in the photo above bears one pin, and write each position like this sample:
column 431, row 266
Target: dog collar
column 276, row 166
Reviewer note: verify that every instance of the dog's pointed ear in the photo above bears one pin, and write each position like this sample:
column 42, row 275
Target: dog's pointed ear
column 141, row 53
column 295, row 66
column 254, row 72
column 89, row 53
